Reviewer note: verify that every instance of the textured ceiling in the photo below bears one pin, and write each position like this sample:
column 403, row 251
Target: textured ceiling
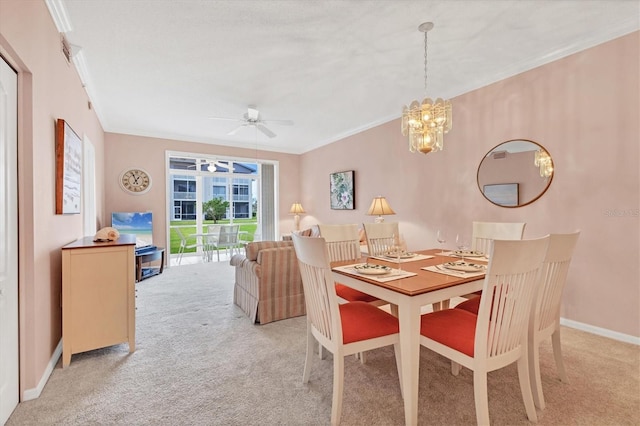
column 160, row 68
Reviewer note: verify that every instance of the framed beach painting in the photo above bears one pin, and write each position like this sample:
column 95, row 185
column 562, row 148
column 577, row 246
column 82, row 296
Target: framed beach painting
column 68, row 169
column 342, row 190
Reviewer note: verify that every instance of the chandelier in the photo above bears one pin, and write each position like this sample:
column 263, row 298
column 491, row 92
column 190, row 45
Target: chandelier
column 543, row 161
column 426, row 123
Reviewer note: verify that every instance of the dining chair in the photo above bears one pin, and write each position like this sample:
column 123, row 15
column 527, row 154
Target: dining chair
column 344, row 329
column 497, row 336
column 343, row 243
column 485, row 232
column 380, row 237
column 545, row 316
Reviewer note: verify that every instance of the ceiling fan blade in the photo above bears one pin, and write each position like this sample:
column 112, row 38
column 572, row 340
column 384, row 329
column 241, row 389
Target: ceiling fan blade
column 280, row 122
column 225, row 118
column 234, row 131
column 266, row 131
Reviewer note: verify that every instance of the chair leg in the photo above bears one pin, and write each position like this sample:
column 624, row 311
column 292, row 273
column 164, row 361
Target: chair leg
column 557, row 354
column 525, row 388
column 534, row 374
column 320, row 351
column 338, row 385
column 455, row 368
column 481, row 397
column 307, row 360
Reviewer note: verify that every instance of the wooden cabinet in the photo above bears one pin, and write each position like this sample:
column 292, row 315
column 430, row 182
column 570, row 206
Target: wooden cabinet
column 98, row 295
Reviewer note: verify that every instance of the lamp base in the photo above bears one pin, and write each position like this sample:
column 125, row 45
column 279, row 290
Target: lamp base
column 296, row 220
column 379, row 219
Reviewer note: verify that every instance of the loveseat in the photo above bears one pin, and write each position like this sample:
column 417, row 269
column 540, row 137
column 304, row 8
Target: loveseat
column 268, row 285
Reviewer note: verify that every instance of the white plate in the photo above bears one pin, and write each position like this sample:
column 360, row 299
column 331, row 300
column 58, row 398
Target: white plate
column 403, row 255
column 463, row 266
column 372, row 269
column 468, row 253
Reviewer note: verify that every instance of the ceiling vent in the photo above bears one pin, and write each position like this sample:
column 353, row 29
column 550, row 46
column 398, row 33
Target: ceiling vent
column 498, row 155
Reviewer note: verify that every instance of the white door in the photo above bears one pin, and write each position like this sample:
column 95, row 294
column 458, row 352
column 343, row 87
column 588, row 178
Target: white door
column 8, row 241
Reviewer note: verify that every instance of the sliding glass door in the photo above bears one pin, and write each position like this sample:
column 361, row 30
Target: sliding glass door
column 205, row 191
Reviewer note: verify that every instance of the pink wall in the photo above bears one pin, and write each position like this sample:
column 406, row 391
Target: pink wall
column 125, row 151
column 49, row 88
column 584, row 109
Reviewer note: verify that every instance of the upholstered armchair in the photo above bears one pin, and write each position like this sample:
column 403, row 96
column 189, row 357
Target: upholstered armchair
column 268, row 286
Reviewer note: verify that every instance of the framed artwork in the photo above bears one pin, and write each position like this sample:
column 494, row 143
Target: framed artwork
column 342, row 190
column 503, row 194
column 68, row 169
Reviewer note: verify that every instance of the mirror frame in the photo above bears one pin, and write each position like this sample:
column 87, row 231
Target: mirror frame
column 495, row 149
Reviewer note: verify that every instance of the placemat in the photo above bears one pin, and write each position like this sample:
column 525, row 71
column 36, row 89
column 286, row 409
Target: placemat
column 395, row 274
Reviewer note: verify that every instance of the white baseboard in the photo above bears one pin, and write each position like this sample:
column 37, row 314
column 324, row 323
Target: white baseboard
column 600, row 331
column 35, row 393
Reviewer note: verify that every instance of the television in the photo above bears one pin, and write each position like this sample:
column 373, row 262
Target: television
column 139, row 224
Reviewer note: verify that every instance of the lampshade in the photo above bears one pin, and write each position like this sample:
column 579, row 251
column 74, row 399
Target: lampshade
column 380, row 207
column 296, row 208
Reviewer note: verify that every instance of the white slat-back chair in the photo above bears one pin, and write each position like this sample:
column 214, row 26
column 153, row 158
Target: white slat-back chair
column 343, row 243
column 381, row 237
column 497, row 336
column 545, row 316
column 344, row 329
column 485, row 232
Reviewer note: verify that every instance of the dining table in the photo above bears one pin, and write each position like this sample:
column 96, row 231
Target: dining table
column 410, row 286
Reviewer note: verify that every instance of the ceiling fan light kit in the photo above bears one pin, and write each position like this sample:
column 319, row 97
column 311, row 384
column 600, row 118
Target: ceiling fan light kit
column 252, row 118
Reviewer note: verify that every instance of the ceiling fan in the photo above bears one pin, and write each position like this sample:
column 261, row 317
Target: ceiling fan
column 251, row 118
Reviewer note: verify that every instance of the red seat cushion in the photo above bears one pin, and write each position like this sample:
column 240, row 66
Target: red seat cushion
column 455, row 328
column 352, row 295
column 362, row 321
column 471, row 305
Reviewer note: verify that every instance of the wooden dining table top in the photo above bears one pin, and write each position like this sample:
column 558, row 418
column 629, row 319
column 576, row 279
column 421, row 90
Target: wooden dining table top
column 422, row 282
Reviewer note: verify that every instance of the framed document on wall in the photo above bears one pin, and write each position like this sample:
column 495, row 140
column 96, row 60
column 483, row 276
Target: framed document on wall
column 68, row 169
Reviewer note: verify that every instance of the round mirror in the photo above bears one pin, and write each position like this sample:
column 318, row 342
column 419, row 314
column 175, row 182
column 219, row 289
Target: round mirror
column 515, row 173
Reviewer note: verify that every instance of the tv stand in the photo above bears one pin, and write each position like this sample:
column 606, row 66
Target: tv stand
column 146, row 257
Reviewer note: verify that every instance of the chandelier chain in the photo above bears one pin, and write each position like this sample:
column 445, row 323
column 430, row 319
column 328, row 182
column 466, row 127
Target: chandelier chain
column 425, row 64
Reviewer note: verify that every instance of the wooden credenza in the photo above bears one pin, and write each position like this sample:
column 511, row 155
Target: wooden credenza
column 98, row 295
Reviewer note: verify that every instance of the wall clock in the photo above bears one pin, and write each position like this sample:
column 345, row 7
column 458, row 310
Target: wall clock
column 135, row 181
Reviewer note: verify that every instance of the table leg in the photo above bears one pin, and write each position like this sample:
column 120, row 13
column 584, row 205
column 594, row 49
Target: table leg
column 409, row 316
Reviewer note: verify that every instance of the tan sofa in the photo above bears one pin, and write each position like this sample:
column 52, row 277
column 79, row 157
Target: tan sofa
column 268, row 286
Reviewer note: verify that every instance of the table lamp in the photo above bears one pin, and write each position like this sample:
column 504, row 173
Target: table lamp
column 296, row 209
column 380, row 207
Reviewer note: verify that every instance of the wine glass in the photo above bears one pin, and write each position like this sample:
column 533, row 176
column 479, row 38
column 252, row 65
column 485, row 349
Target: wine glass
column 462, row 243
column 442, row 238
column 399, row 247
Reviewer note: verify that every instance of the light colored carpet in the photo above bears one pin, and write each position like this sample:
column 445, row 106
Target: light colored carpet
column 200, row 362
